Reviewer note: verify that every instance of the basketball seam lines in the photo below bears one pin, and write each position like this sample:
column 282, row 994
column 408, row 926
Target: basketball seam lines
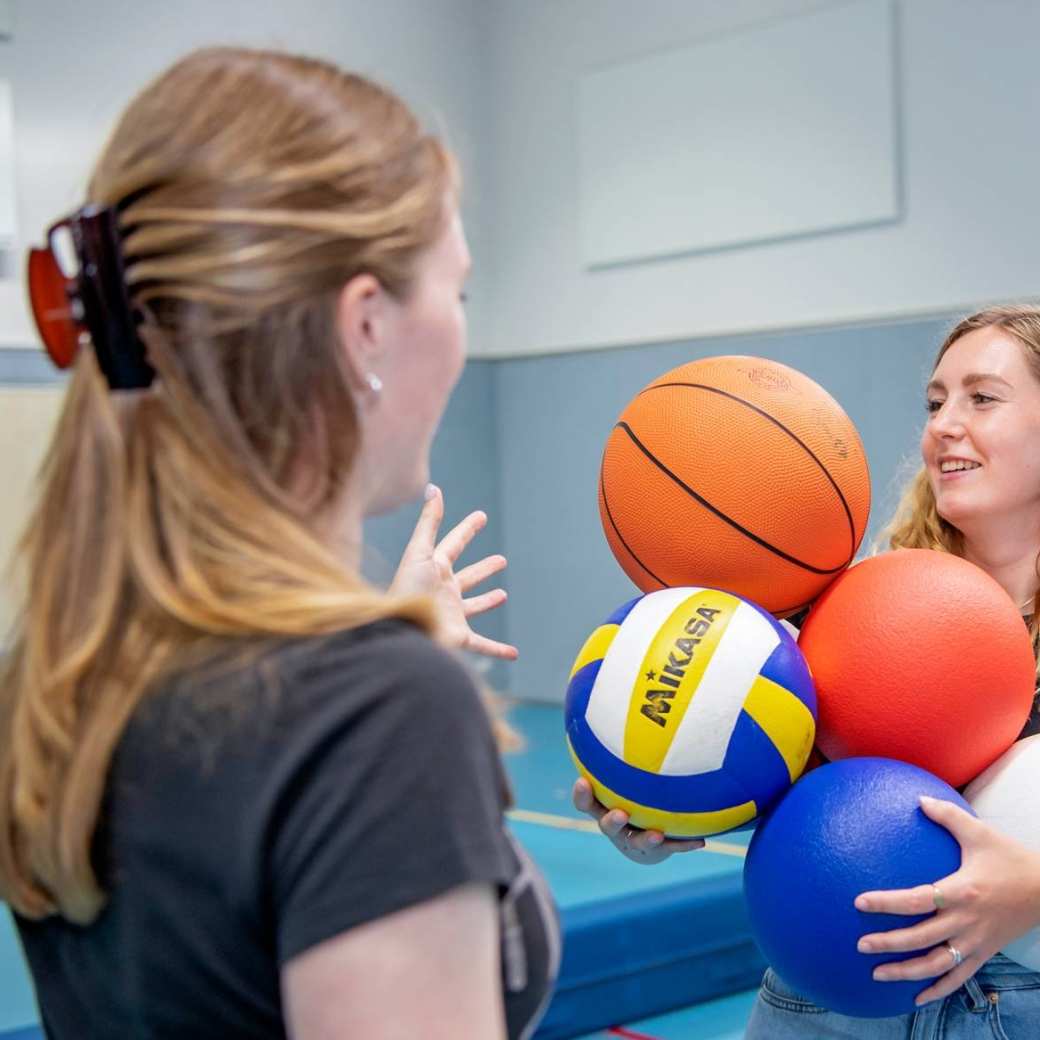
column 790, row 433
column 610, row 517
column 718, row 512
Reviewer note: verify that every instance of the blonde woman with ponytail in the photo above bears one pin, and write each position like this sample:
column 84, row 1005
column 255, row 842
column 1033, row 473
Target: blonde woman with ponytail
column 242, row 792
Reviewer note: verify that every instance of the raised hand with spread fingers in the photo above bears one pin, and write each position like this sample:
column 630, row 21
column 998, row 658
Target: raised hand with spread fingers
column 427, row 568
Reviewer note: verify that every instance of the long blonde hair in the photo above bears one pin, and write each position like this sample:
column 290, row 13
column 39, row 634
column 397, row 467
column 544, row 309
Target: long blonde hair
column 917, row 523
column 251, row 186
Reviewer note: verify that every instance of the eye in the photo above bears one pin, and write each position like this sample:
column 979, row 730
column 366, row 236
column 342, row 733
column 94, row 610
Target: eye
column 980, row 398
column 932, row 405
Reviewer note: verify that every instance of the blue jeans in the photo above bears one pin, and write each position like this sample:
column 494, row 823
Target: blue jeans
column 1001, row 1002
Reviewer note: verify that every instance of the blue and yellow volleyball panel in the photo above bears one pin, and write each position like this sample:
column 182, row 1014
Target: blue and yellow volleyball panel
column 691, row 709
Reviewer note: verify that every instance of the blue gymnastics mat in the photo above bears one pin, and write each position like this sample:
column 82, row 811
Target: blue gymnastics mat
column 724, row 1018
column 638, row 941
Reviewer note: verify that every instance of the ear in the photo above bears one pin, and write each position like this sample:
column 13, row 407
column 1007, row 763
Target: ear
column 361, row 323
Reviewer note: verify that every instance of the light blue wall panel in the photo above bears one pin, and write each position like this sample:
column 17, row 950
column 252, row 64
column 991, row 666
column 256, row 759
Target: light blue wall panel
column 465, row 464
column 554, row 415
column 27, row 366
column 17, row 1003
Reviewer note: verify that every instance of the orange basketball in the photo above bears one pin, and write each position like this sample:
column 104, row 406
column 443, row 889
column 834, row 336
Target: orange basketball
column 921, row 656
column 738, row 473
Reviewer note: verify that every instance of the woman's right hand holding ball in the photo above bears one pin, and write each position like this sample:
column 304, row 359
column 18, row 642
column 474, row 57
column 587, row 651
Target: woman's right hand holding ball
column 646, row 847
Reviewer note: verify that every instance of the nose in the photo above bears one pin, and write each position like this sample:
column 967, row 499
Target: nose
column 947, row 423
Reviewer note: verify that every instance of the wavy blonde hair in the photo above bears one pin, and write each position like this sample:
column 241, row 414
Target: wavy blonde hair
column 917, row 523
column 251, row 187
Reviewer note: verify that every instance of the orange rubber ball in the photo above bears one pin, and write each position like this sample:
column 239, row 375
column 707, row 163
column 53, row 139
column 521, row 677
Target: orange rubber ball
column 919, row 656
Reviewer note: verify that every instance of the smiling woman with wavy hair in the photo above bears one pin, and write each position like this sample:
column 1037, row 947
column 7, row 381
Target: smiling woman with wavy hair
column 918, row 522
column 977, row 495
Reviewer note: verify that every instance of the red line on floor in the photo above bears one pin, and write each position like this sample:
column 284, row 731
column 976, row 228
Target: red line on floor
column 628, row 1034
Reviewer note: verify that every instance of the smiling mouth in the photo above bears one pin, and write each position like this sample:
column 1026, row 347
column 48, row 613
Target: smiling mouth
column 957, row 466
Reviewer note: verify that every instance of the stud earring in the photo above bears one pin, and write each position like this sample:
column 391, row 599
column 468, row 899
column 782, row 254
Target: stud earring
column 375, row 384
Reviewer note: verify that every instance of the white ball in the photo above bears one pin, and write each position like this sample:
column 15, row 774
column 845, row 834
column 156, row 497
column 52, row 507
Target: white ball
column 1007, row 796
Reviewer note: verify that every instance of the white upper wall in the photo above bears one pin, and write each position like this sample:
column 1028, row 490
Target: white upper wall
column 969, row 104
column 74, row 65
column 501, row 77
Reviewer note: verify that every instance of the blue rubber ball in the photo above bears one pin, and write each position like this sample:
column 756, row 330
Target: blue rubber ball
column 847, row 827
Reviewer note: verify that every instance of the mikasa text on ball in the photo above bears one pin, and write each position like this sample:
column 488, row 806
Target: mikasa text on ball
column 691, row 709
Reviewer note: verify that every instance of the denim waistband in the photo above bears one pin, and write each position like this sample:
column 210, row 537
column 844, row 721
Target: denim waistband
column 999, row 967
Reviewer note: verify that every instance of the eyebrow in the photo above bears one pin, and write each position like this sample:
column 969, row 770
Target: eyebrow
column 970, row 380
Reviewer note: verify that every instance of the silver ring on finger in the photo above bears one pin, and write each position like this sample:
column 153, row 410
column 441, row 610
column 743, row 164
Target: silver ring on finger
column 958, row 957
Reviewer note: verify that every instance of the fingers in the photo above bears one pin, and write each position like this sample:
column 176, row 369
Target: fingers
column 585, row 801
column 960, row 823
column 640, row 846
column 639, row 842
column 934, row 930
column 424, row 536
column 455, row 541
column 470, row 577
column 629, row 839
column 487, row 601
column 479, row 644
column 682, row 844
column 937, row 961
column 951, row 981
column 918, row 900
column 643, row 846
column 612, row 822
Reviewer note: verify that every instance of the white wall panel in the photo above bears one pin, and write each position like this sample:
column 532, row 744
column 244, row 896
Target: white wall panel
column 74, row 66
column 783, row 129
column 8, row 202
column 967, row 94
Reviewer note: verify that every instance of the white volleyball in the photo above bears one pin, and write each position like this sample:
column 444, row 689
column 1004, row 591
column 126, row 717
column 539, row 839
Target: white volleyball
column 1007, row 796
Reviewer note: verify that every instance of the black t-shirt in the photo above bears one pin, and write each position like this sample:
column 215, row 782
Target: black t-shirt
column 258, row 807
column 1032, row 726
